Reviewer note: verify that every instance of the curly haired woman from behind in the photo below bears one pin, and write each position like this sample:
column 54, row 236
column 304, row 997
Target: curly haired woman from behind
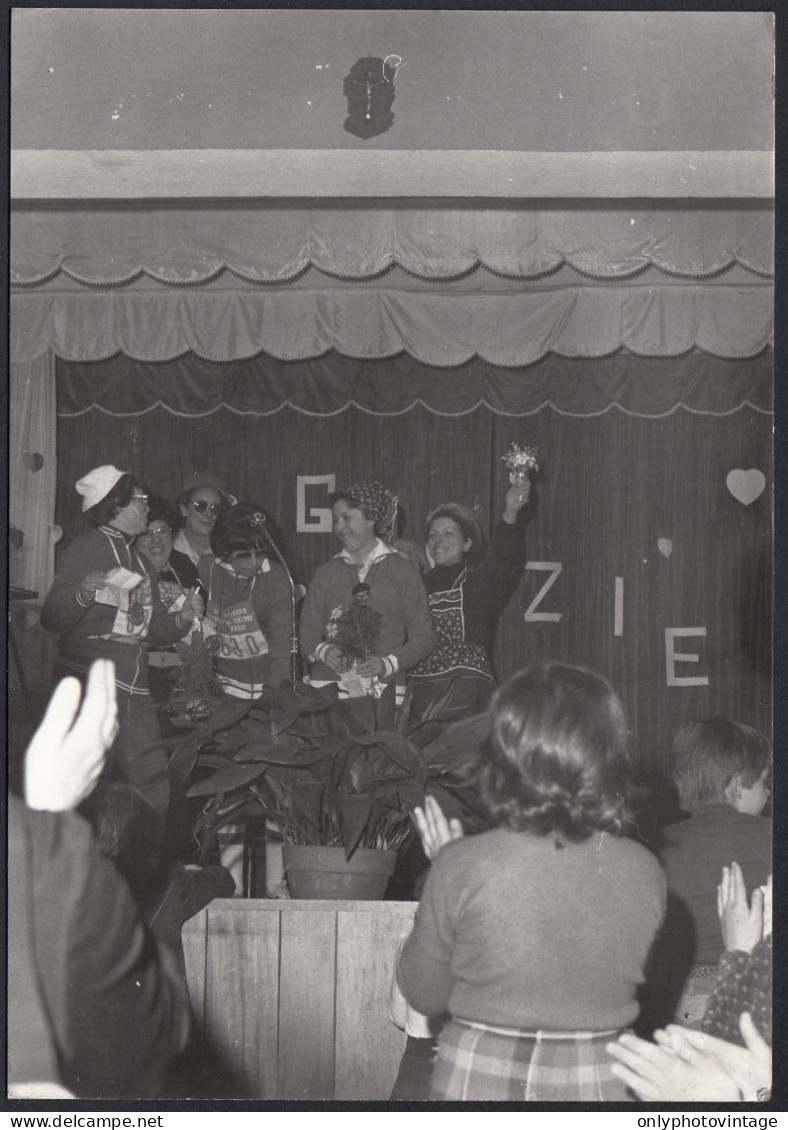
column 535, row 935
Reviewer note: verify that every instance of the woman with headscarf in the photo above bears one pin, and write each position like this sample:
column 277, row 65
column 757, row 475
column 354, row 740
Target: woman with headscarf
column 468, row 589
column 105, row 604
column 201, row 501
column 369, row 572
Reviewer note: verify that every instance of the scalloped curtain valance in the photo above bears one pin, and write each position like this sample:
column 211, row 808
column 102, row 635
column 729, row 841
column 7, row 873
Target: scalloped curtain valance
column 112, row 244
column 442, row 284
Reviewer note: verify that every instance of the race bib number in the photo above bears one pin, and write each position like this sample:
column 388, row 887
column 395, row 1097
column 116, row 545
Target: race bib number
column 237, row 632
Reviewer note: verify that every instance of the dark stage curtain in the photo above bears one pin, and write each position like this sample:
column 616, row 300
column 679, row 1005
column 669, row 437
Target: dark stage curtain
column 192, row 386
column 644, row 498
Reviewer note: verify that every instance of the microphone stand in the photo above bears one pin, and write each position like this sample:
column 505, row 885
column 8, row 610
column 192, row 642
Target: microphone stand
column 295, row 658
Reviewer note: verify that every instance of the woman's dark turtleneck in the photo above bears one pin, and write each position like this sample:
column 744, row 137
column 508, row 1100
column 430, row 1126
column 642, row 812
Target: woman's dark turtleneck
column 442, row 577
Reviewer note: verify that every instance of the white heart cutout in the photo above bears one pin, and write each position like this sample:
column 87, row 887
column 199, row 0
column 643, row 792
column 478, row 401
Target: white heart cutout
column 665, row 546
column 746, row 486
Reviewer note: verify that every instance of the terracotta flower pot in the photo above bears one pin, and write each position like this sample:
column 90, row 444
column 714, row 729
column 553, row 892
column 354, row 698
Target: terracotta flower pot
column 315, row 872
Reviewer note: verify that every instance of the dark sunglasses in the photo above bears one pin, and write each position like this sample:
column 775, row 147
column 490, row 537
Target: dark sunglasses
column 200, row 505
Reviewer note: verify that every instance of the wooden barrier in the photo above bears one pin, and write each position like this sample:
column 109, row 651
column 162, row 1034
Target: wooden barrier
column 294, row 994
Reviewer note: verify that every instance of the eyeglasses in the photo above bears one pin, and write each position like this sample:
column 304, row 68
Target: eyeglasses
column 143, row 498
column 200, row 505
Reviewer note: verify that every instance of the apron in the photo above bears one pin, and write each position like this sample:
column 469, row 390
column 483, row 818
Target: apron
column 452, row 651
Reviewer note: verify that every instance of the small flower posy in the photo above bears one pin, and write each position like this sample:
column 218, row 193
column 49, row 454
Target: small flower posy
column 520, row 461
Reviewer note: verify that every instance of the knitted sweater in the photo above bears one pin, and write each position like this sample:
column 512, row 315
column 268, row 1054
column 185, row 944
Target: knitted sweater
column 693, row 854
column 87, row 630
column 514, row 931
column 396, row 592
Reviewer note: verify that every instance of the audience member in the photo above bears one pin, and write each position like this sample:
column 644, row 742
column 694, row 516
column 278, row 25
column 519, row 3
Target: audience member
column 722, row 771
column 535, row 935
column 95, row 1006
column 730, row 1061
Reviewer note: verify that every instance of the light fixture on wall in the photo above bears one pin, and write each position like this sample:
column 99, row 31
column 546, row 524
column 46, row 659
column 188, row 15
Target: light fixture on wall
column 369, row 89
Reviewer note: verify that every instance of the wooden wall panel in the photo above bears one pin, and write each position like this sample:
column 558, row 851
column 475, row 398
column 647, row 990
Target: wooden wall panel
column 242, row 991
column 306, row 1004
column 194, row 941
column 368, row 1046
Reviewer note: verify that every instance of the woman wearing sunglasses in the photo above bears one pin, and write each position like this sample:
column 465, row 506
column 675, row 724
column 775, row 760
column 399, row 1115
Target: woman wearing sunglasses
column 105, row 604
column 247, row 618
column 199, row 504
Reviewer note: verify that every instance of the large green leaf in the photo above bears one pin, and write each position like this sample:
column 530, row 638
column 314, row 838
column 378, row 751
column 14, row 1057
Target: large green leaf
column 458, row 745
column 396, row 746
column 185, row 755
column 354, row 816
column 283, row 755
column 226, row 713
column 231, row 777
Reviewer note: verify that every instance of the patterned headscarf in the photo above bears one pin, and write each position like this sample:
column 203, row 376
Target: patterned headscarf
column 376, row 503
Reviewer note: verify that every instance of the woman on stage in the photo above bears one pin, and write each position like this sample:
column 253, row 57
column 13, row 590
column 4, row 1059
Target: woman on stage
column 468, row 589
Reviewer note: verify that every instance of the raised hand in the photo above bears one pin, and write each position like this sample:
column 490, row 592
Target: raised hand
column 433, row 827
column 66, row 755
column 516, row 497
column 741, row 922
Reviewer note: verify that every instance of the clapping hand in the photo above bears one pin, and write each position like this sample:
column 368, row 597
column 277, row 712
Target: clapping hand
column 750, row 1066
column 741, row 922
column 66, row 755
column 433, row 827
column 658, row 1074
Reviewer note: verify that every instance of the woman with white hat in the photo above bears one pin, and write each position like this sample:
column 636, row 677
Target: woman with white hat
column 104, row 604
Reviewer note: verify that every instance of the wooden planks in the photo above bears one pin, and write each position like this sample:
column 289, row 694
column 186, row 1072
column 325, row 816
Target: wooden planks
column 307, row 974
column 193, row 940
column 168, row 174
column 293, row 996
column 242, row 993
column 368, row 1046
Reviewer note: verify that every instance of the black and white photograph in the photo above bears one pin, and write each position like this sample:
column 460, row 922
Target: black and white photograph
column 390, row 558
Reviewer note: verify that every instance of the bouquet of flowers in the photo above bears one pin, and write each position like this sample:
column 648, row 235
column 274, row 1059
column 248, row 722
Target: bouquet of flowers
column 197, row 690
column 521, row 461
column 355, row 630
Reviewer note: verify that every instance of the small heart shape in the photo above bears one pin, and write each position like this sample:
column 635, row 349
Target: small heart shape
column 33, row 460
column 746, row 486
column 665, row 546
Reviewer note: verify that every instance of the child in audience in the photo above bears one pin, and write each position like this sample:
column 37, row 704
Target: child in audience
column 535, row 935
column 722, row 770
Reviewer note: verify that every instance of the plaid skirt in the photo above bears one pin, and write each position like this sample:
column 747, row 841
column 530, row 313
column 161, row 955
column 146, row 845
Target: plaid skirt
column 480, row 1063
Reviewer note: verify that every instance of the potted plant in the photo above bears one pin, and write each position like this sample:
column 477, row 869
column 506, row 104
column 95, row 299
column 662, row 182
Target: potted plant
column 338, row 777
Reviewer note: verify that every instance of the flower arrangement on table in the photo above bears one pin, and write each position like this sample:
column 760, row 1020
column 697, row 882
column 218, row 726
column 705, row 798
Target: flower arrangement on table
column 355, row 630
column 521, row 461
